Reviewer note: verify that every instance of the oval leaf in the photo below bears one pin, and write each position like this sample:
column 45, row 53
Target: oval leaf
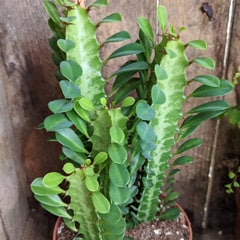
column 50, row 200
column 170, row 214
column 119, row 175
column 117, row 134
column 119, row 195
column 71, row 70
column 158, row 96
column 117, row 153
column 56, row 121
column 78, row 158
column 86, row 104
column 162, row 17
column 68, row 168
column 52, row 11
column 146, row 132
column 69, row 89
column 209, row 80
column 100, row 202
column 198, row 44
column 183, row 160
column 146, row 27
column 60, row 106
column 160, row 73
column 91, row 183
column 65, row 45
column 100, row 158
column 68, row 138
column 144, row 111
column 53, row 179
column 205, row 62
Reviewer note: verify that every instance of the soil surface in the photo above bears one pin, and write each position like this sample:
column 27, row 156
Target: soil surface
column 164, row 230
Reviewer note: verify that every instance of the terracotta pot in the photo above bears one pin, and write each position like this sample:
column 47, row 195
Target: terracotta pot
column 188, row 223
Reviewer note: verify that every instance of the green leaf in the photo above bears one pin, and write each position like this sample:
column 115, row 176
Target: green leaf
column 170, row 214
column 68, row 138
column 217, row 105
column 117, row 134
column 144, row 111
column 128, row 101
column 129, row 49
column 146, row 27
column 209, row 80
column 205, row 62
column 146, row 132
column 114, row 17
column 118, row 37
column 198, row 44
column 60, row 106
column 84, row 114
column 207, row 91
column 171, row 196
column 99, row 3
column 68, row 168
column 158, row 96
column 65, row 45
column 53, row 179
column 71, row 70
column 52, row 11
column 183, row 160
column 162, row 17
column 57, row 211
column 86, row 104
column 119, row 195
column 117, row 153
column 50, row 200
column 119, row 175
column 100, row 158
column 100, row 202
column 78, row 158
column 160, row 73
column 78, row 122
column 231, row 175
column 38, row 188
column 113, row 216
column 69, row 89
column 135, row 66
column 191, row 143
column 56, row 121
column 91, row 183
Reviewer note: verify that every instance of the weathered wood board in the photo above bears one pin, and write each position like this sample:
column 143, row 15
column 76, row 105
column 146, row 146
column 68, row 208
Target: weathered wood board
column 26, row 74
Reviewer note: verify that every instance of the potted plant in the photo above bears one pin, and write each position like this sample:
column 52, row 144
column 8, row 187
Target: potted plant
column 120, row 153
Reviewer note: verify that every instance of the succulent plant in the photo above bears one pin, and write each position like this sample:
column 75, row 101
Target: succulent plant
column 119, row 151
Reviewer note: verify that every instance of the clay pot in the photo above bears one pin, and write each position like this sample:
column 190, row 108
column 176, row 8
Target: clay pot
column 188, row 223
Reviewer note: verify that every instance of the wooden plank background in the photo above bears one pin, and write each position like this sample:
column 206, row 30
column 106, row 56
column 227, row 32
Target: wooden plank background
column 27, row 77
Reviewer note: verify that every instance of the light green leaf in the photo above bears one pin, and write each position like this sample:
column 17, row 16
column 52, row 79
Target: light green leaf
column 100, row 202
column 144, row 111
column 129, row 49
column 198, row 44
column 86, row 104
column 191, row 143
column 38, row 188
column 209, row 80
column 50, row 200
column 60, row 106
column 57, row 211
column 56, row 121
column 118, row 37
column 119, row 175
column 117, row 134
column 68, row 138
column 119, row 195
column 68, row 168
column 146, row 27
column 117, row 153
column 69, row 89
column 78, row 122
column 128, row 101
column 114, row 17
column 84, row 114
column 65, row 45
column 205, row 62
column 162, row 17
column 91, row 183
column 71, row 70
column 100, row 158
column 53, row 179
